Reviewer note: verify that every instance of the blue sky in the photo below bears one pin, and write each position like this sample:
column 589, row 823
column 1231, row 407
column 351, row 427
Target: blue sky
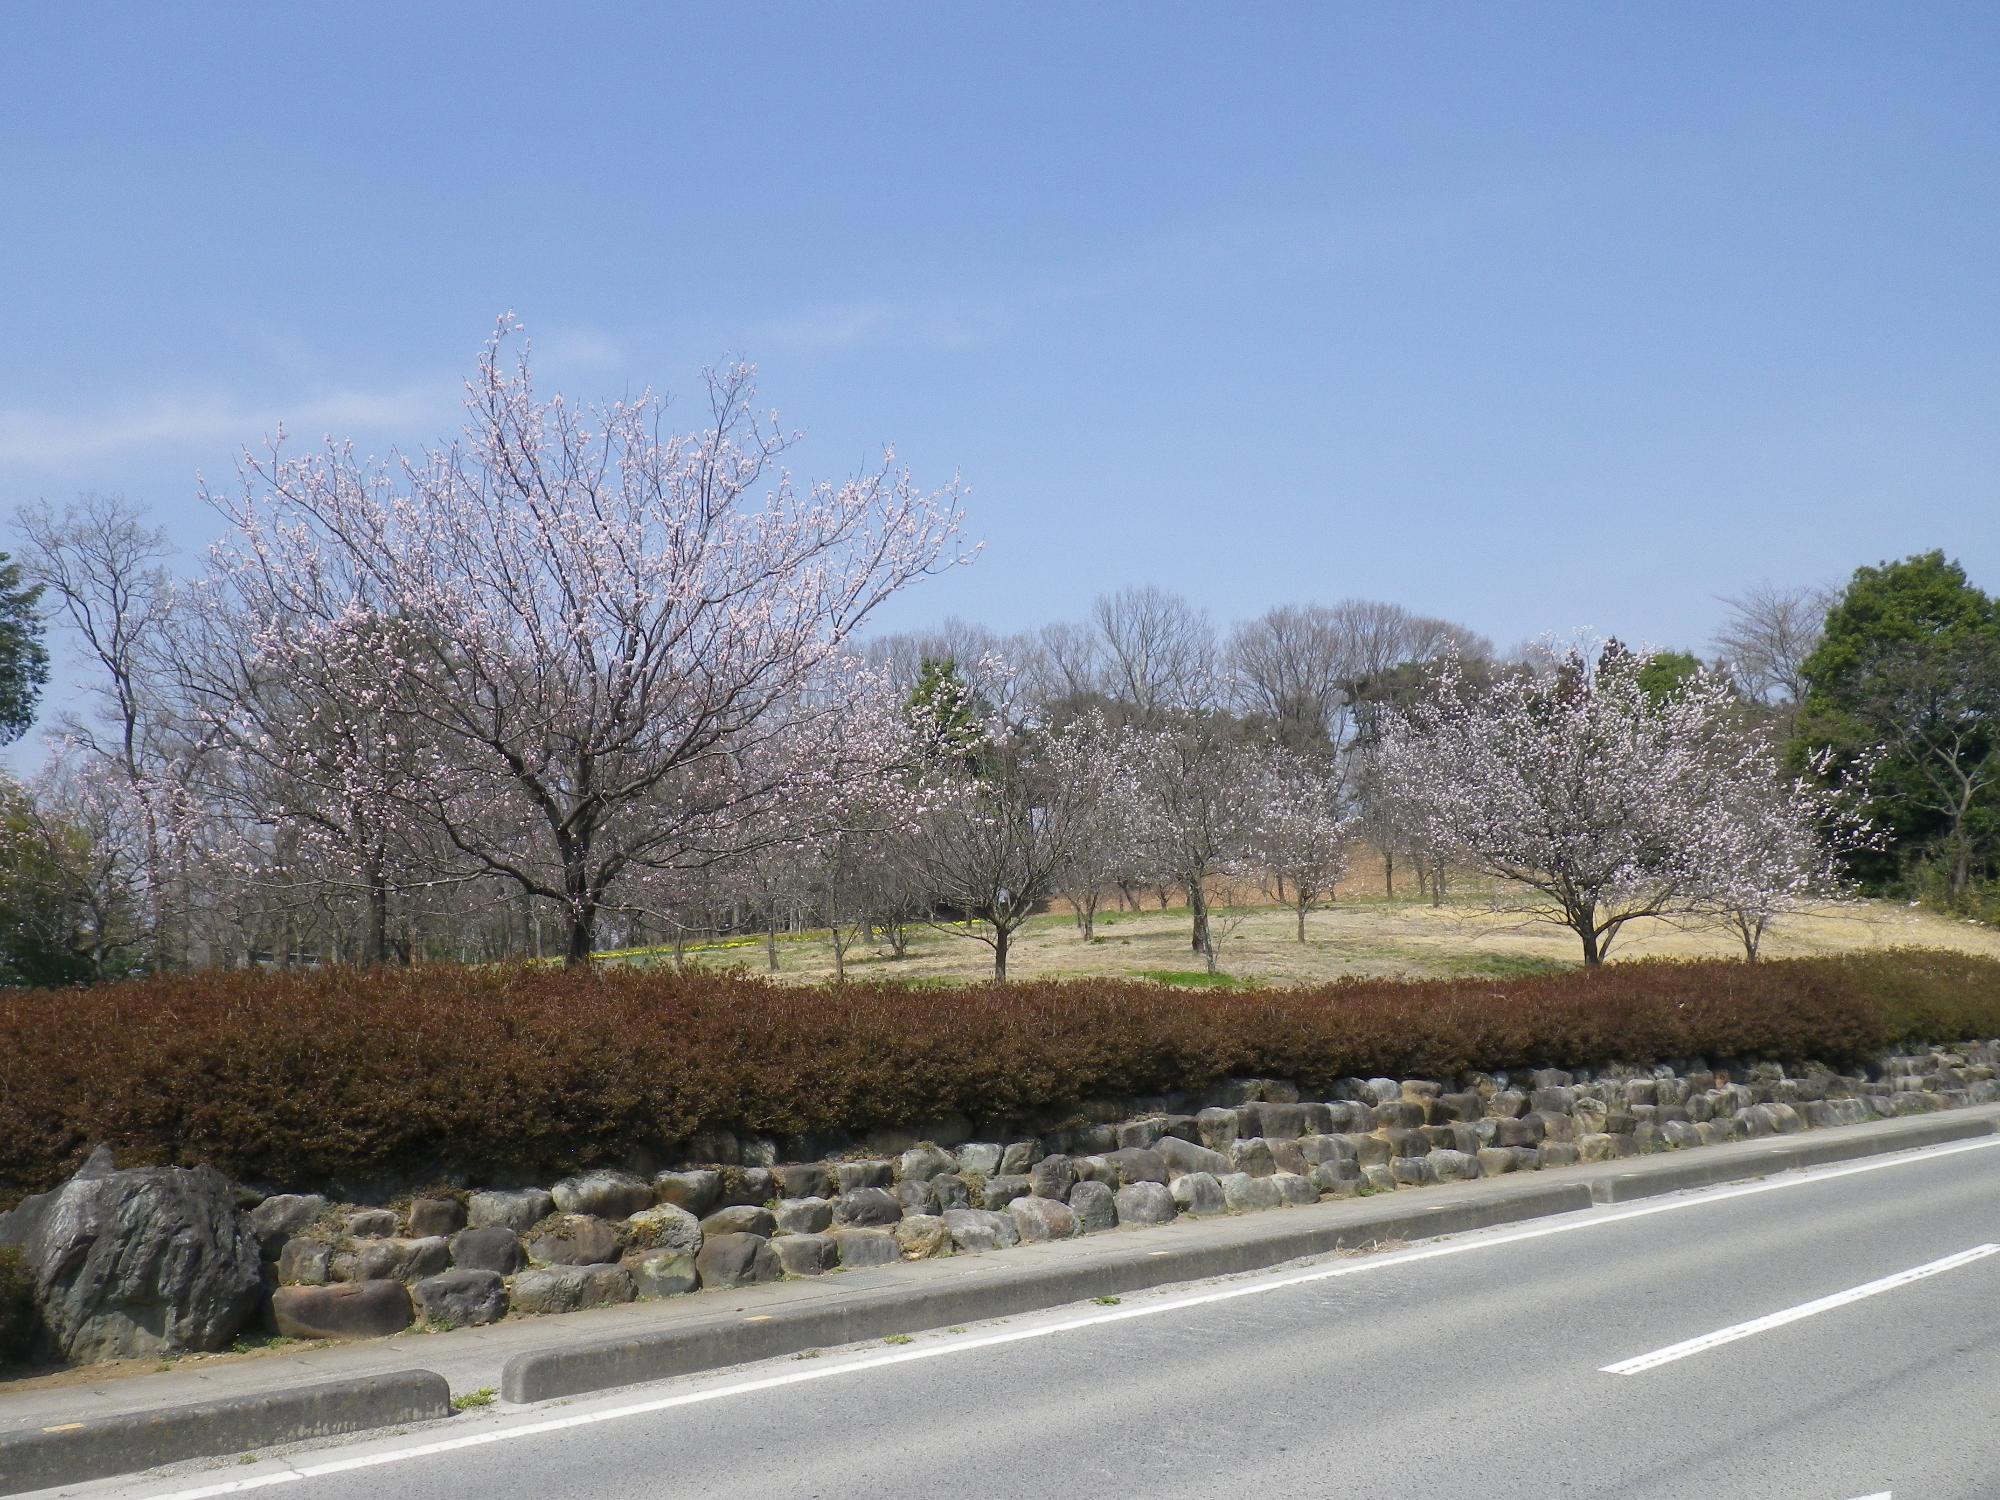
column 1537, row 317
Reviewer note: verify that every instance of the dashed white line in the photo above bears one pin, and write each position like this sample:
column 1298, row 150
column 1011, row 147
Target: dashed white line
column 1642, row 1362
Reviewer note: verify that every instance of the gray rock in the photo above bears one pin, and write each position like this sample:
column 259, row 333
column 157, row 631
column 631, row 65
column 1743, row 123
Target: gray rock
column 852, row 1176
column 1378, row 1177
column 1145, row 1203
column 430, row 1217
column 461, row 1299
column 1294, row 1190
column 490, row 1249
column 1679, row 1134
column 138, row 1263
column 1242, row 1193
column 1556, row 1154
column 561, row 1289
column 1019, row 1156
column 662, row 1273
column 736, row 1260
column 922, row 1162
column 1454, row 1166
column 1198, row 1193
column 802, row 1215
column 575, row 1240
column 921, row 1236
column 1182, row 1157
column 813, row 1179
column 1412, row 1171
column 665, row 1227
column 758, row 1151
column 304, row 1263
column 741, row 1218
column 1336, row 1176
column 277, row 1219
column 372, row 1224
column 714, row 1148
column 865, row 1247
column 519, row 1209
column 1217, row 1127
column 981, row 1158
column 974, row 1229
column 747, row 1186
column 1095, row 1206
column 1494, row 1160
column 695, row 1190
column 1052, row 1177
column 950, row 1192
column 1134, row 1165
column 1042, row 1219
column 346, row 1310
column 916, row 1196
column 805, row 1254
column 1252, row 1156
column 867, row 1208
column 392, row 1260
column 998, row 1192
column 1369, row 1150
column 1602, row 1146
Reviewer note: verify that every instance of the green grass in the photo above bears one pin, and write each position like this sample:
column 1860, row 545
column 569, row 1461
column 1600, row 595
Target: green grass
column 1192, row 979
column 484, row 1396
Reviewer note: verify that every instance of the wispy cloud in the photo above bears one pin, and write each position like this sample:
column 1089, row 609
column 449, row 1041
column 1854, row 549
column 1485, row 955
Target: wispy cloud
column 184, row 422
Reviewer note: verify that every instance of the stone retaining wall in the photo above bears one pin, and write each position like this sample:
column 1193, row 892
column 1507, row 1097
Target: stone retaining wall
column 740, row 1211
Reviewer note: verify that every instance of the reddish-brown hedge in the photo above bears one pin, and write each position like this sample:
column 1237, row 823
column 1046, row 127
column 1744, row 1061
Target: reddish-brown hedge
column 298, row 1079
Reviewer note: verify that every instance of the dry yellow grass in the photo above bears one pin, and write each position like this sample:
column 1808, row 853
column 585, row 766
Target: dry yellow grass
column 1359, row 936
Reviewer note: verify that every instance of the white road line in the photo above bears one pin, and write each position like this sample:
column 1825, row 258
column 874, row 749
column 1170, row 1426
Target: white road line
column 962, row 1345
column 1735, row 1331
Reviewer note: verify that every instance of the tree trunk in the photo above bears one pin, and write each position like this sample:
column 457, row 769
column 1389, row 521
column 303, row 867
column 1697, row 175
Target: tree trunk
column 1001, row 936
column 1198, row 904
column 1586, row 929
column 771, row 943
column 1388, row 870
column 1302, row 918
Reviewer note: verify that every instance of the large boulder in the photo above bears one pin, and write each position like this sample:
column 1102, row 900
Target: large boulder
column 345, row 1310
column 138, row 1263
column 429, row 1217
column 662, row 1273
column 1145, row 1203
column 974, row 1229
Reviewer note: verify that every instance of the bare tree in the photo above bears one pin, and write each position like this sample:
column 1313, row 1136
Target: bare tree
column 1765, row 640
column 1159, row 651
column 105, row 570
column 1196, row 817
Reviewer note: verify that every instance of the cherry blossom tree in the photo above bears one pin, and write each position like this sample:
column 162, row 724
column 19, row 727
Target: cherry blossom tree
column 1302, row 833
column 615, row 641
column 1196, row 816
column 1606, row 803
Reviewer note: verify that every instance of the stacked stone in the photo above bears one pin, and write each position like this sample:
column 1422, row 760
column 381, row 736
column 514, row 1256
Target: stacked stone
column 741, row 1212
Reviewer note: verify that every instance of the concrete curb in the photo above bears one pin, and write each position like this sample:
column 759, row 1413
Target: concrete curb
column 1678, row 1173
column 724, row 1340
column 78, row 1451
column 717, row 1342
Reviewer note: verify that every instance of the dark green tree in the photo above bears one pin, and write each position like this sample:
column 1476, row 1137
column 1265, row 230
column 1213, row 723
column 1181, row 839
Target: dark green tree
column 24, row 659
column 949, row 716
column 1908, row 671
column 1665, row 671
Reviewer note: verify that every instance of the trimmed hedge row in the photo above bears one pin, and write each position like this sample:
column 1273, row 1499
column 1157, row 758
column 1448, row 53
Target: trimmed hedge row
column 303, row 1079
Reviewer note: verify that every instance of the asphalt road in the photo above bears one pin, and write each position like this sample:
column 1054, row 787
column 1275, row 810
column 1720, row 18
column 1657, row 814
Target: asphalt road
column 1473, row 1367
